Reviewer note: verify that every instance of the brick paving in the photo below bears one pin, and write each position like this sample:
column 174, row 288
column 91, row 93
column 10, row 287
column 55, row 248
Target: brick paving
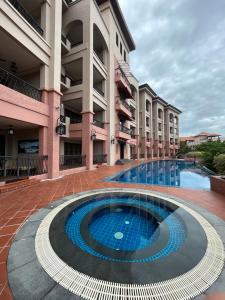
column 16, row 206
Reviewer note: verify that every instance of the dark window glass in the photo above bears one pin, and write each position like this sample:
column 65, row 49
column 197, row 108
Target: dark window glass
column 121, row 49
column 125, row 55
column 117, row 39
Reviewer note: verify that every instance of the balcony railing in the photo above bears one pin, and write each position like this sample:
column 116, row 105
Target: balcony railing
column 12, row 167
column 27, row 16
column 75, row 120
column 119, row 69
column 133, row 136
column 71, row 161
column 133, row 156
column 64, row 39
column 123, row 102
column 98, row 123
column 99, row 91
column 124, row 129
column 19, row 85
column 99, row 158
column 142, row 156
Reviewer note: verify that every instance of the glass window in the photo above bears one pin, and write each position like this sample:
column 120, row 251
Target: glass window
column 117, row 39
column 125, row 55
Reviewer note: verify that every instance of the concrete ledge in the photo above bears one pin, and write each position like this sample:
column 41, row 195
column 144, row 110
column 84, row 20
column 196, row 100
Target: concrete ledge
column 217, row 184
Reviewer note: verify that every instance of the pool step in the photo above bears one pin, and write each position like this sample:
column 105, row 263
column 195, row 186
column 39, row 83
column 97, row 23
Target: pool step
column 15, row 185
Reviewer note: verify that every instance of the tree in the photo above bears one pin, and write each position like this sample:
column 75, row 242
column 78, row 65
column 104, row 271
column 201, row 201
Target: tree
column 219, row 163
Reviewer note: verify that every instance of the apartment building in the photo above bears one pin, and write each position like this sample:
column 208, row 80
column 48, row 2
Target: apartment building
column 68, row 99
column 159, row 125
column 202, row 137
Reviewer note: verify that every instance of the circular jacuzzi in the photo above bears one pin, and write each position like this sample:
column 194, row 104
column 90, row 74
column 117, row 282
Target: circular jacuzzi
column 115, row 244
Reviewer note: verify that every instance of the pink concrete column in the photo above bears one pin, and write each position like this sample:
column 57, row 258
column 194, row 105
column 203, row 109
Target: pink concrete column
column 107, row 144
column 87, row 143
column 44, row 97
column 151, row 150
column 53, row 137
column 145, row 149
column 163, row 150
column 137, row 147
column 43, row 141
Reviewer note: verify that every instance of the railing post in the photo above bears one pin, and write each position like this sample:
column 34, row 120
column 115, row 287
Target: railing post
column 17, row 167
column 28, row 173
column 5, row 171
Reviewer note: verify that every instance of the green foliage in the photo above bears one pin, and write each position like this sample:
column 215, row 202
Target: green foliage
column 195, row 154
column 184, row 148
column 211, row 150
column 215, row 148
column 219, row 163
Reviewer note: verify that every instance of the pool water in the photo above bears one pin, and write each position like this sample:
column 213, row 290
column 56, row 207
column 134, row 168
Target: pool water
column 128, row 225
column 124, row 228
column 167, row 173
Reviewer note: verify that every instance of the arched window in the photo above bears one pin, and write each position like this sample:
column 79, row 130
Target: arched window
column 99, row 44
column 74, row 33
column 160, row 113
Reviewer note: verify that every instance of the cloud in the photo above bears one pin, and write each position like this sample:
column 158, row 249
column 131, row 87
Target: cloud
column 181, row 54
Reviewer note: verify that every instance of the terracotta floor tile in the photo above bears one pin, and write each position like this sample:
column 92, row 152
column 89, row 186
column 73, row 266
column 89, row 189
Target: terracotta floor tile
column 6, row 230
column 4, row 254
column 5, row 240
column 3, row 275
column 6, row 295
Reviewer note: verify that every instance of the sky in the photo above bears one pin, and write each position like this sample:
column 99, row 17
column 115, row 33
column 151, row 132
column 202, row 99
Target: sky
column 180, row 53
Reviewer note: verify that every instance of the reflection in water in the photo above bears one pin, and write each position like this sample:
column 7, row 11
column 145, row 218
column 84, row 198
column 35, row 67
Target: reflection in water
column 168, row 173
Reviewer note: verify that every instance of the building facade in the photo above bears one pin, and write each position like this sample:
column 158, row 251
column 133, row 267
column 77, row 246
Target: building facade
column 202, row 137
column 159, row 125
column 68, row 100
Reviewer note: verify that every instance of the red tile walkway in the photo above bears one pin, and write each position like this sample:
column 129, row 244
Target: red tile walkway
column 18, row 205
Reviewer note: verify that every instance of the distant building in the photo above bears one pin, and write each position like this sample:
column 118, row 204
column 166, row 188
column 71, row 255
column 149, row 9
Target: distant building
column 200, row 138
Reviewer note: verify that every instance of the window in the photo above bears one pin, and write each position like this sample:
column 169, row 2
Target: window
column 125, row 55
column 117, row 40
column 121, row 49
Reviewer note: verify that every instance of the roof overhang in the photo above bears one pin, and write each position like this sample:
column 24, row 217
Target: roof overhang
column 160, row 100
column 174, row 109
column 122, row 22
column 146, row 87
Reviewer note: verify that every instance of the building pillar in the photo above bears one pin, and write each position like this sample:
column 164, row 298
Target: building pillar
column 53, row 137
column 138, row 147
column 45, row 19
column 43, row 141
column 87, row 143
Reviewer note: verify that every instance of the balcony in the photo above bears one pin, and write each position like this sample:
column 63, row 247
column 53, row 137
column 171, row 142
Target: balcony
column 123, row 83
column 27, row 16
column 98, row 123
column 71, row 161
column 133, row 140
column 122, row 132
column 19, row 85
column 148, row 142
column 66, row 45
column 99, row 91
column 123, row 108
column 99, row 159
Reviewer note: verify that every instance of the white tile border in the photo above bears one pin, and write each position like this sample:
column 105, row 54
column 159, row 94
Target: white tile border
column 186, row 286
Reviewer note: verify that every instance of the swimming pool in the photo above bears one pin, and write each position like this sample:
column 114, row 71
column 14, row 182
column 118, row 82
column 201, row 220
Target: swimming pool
column 166, row 173
column 129, row 244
